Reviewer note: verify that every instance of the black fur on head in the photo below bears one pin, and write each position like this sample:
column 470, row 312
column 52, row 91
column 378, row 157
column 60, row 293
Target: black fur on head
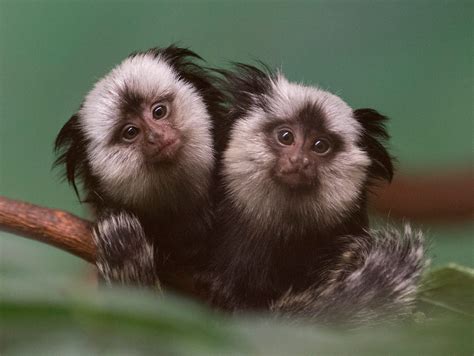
column 71, row 142
column 70, row 149
column 372, row 140
column 244, row 86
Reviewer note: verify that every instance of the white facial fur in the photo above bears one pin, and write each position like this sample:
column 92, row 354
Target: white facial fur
column 120, row 169
column 248, row 162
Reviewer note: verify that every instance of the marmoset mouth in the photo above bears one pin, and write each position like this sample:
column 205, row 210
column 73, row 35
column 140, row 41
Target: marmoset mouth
column 166, row 153
column 295, row 181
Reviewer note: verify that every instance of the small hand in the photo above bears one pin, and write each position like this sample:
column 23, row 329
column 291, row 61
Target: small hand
column 124, row 255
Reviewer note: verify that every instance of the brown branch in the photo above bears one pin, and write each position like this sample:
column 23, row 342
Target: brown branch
column 55, row 227
column 435, row 198
column 69, row 233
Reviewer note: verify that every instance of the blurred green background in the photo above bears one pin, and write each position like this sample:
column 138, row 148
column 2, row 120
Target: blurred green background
column 412, row 60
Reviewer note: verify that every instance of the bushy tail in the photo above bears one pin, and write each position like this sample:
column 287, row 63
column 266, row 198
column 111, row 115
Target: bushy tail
column 375, row 281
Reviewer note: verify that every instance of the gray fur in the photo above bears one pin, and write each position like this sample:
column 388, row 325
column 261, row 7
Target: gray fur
column 375, row 280
column 248, row 162
column 124, row 256
column 120, row 170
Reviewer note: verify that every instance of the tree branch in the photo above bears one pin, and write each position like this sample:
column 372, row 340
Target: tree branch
column 55, row 227
column 69, row 233
column 446, row 197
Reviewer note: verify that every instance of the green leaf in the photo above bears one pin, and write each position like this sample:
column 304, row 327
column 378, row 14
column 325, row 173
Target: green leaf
column 448, row 290
column 104, row 320
column 44, row 318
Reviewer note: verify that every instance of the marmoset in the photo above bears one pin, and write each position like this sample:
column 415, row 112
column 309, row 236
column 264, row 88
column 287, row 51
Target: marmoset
column 142, row 146
column 292, row 229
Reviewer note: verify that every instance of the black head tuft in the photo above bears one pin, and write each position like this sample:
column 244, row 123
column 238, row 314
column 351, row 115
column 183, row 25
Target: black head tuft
column 176, row 56
column 372, row 140
column 70, row 147
column 243, row 88
column 246, row 86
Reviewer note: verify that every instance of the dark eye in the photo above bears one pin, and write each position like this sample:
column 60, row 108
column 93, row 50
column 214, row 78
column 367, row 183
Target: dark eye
column 130, row 132
column 159, row 111
column 321, row 146
column 285, row 137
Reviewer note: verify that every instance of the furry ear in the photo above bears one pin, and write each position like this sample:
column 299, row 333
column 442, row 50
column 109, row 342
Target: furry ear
column 372, row 140
column 70, row 149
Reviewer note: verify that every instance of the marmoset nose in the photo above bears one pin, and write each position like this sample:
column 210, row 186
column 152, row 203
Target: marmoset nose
column 151, row 138
column 154, row 138
column 299, row 161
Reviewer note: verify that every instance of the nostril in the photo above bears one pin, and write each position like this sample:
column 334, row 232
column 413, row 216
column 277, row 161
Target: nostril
column 151, row 138
column 293, row 159
column 305, row 162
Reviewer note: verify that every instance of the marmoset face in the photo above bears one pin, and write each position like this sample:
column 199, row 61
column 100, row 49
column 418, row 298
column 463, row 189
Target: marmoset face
column 301, row 146
column 296, row 148
column 147, row 130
